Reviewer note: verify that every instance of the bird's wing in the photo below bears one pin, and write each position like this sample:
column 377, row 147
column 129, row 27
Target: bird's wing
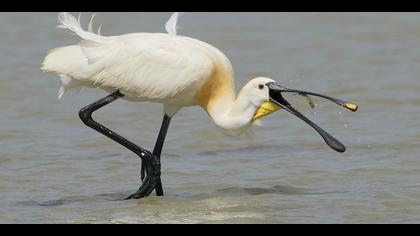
column 149, row 66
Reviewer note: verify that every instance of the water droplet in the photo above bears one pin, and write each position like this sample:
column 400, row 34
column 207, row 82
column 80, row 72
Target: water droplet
column 314, row 113
column 346, row 125
column 340, row 112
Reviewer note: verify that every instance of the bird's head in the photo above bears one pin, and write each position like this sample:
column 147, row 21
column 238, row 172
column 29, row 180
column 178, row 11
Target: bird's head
column 267, row 96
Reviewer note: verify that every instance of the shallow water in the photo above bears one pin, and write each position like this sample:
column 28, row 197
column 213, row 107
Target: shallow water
column 55, row 170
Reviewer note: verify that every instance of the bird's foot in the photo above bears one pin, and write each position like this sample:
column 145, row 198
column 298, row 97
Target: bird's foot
column 150, row 176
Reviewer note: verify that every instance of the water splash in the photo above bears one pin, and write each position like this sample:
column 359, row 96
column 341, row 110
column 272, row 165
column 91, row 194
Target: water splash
column 371, row 148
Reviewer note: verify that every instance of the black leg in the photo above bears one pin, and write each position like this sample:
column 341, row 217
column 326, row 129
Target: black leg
column 150, row 162
column 157, row 151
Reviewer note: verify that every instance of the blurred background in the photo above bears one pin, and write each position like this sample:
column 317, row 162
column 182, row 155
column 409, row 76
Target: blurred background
column 54, row 169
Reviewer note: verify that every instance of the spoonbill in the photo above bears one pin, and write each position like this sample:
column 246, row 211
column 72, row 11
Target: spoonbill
column 173, row 70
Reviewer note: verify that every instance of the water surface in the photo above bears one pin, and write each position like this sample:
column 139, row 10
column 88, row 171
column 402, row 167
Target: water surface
column 55, row 170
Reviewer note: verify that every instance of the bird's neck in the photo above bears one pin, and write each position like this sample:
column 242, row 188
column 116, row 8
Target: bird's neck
column 233, row 115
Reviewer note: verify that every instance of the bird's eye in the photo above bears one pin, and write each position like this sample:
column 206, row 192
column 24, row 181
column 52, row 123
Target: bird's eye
column 261, row 86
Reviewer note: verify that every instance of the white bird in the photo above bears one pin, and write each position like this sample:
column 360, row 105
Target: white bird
column 173, row 70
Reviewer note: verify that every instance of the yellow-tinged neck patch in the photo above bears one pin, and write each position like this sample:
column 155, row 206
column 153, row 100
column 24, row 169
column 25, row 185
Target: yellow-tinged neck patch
column 219, row 85
column 265, row 109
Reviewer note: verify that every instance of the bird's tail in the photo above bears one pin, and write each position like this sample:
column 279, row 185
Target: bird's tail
column 70, row 62
column 66, row 62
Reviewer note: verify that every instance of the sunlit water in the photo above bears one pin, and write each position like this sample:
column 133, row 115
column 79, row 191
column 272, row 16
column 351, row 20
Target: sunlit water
column 53, row 169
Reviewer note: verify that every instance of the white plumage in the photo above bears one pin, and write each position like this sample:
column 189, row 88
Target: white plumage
column 174, row 70
column 172, row 24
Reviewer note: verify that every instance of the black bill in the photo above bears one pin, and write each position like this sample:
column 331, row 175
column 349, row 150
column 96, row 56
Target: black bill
column 277, row 98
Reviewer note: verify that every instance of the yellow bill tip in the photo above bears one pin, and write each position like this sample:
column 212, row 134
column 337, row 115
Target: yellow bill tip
column 351, row 106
